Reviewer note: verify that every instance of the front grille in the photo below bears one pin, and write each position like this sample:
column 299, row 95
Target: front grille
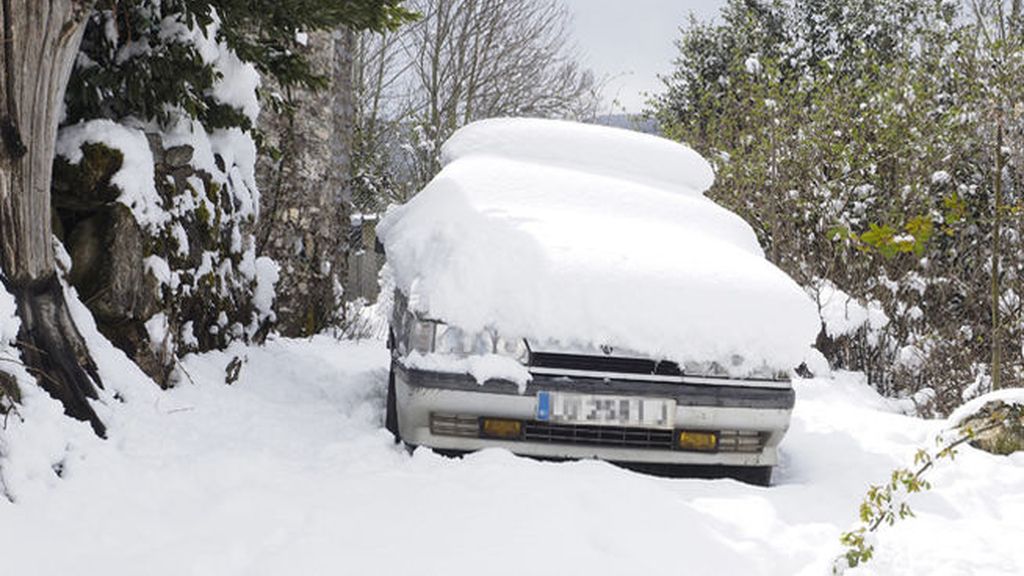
column 603, row 364
column 667, row 368
column 741, row 441
column 744, row 441
column 550, row 433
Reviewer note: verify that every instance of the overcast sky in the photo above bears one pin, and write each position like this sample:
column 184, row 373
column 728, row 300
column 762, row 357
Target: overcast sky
column 632, row 41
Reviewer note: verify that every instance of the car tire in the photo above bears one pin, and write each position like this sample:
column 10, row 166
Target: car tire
column 391, row 409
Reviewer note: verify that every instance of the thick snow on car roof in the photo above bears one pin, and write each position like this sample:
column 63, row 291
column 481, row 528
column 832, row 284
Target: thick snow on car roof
column 591, row 148
column 592, row 235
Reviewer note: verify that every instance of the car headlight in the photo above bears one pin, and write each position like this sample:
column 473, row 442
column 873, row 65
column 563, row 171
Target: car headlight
column 427, row 336
column 513, row 348
column 452, row 340
column 421, row 335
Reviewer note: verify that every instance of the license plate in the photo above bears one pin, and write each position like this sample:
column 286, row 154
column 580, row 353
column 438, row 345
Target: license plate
column 602, row 410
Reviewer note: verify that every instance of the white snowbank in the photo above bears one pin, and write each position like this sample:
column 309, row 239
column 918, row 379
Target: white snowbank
column 134, row 178
column 39, row 446
column 288, row 471
column 547, row 251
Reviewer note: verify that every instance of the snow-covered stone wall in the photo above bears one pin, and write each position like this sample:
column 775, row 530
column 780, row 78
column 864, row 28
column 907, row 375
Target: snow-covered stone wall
column 158, row 229
column 157, row 214
column 304, row 225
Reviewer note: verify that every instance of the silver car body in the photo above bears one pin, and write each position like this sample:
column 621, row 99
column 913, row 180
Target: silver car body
column 444, row 410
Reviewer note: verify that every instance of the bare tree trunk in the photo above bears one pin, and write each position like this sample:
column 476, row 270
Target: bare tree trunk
column 40, row 42
column 997, row 331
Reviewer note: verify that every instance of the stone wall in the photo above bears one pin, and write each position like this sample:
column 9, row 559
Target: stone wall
column 304, row 220
column 107, row 251
column 189, row 287
column 203, row 300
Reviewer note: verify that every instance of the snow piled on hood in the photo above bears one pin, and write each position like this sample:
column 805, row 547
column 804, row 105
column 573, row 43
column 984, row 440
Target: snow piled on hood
column 593, row 235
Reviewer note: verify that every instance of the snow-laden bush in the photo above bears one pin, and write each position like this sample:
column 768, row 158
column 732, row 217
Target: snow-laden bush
column 859, row 140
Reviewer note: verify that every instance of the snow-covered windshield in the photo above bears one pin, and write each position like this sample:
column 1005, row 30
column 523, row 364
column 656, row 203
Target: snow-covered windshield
column 583, row 234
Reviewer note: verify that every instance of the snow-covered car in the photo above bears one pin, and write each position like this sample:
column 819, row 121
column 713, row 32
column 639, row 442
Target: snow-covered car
column 566, row 291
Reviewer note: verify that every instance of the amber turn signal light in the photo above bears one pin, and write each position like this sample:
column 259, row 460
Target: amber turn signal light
column 501, row 428
column 697, row 441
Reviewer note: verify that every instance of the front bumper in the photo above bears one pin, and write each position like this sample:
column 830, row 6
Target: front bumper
column 420, row 393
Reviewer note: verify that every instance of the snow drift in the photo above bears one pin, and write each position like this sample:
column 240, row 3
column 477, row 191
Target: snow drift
column 593, row 235
column 288, row 471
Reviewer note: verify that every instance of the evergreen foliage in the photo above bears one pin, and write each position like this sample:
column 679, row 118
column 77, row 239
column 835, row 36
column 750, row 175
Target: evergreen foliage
column 854, row 137
column 184, row 76
column 133, row 64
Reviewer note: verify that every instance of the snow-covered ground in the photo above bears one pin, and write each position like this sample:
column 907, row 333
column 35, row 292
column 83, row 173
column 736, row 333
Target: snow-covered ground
column 288, row 471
